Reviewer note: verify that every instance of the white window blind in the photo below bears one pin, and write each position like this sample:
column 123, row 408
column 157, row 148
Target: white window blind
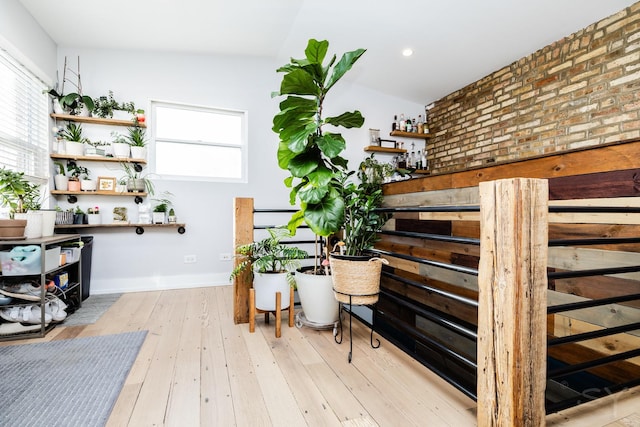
column 200, row 143
column 23, row 120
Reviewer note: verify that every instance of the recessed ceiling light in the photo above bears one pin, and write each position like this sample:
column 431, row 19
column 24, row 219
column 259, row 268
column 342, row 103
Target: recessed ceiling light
column 407, row 52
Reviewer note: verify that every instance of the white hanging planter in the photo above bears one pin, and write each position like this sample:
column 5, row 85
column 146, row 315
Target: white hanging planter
column 266, row 285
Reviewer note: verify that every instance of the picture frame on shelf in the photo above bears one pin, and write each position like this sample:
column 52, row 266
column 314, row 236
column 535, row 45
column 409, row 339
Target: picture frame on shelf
column 106, row 183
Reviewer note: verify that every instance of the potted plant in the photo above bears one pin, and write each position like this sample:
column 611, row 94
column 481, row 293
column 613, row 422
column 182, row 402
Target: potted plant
column 271, row 262
column 20, row 198
column 60, row 179
column 72, row 103
column 137, row 142
column 136, row 182
column 93, row 216
column 161, row 208
column 313, row 157
column 79, row 216
column 74, row 141
column 172, row 218
column 120, row 146
column 77, row 172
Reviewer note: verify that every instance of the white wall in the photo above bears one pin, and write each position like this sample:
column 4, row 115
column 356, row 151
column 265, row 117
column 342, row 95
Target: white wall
column 124, row 261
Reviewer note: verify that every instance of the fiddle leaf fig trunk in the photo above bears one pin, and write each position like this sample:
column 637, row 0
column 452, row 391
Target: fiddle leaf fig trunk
column 313, row 158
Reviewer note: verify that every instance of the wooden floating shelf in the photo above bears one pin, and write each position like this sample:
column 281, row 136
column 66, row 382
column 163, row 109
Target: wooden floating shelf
column 97, row 120
column 120, row 225
column 96, row 193
column 98, row 158
column 378, row 149
column 139, row 227
column 411, row 134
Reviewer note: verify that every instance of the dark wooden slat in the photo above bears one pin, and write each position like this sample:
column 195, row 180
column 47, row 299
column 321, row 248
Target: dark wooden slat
column 617, row 183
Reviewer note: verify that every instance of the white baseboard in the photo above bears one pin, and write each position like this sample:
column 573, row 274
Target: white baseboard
column 156, row 283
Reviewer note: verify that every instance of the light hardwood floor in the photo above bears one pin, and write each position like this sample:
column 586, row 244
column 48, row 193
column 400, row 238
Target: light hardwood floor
column 196, row 368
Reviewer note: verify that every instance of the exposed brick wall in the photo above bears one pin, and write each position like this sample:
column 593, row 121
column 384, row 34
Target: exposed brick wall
column 583, row 90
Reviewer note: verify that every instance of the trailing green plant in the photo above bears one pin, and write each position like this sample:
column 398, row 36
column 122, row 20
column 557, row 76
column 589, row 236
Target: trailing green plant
column 105, row 105
column 269, row 255
column 72, row 102
column 133, row 174
column 73, row 132
column 313, row 157
column 17, row 193
column 136, row 137
column 59, row 168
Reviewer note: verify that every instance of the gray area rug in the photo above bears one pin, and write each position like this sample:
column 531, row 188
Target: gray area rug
column 92, row 309
column 66, row 383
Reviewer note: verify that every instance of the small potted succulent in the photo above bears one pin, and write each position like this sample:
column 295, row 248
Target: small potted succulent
column 137, row 142
column 74, row 141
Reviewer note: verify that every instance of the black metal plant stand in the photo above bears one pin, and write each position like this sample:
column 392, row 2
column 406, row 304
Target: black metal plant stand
column 337, row 336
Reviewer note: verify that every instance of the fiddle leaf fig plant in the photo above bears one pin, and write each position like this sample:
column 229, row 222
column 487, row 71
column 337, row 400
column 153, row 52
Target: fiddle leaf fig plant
column 311, row 155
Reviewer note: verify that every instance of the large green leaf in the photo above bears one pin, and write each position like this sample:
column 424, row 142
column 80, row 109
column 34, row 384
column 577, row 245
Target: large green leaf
column 312, row 194
column 299, row 82
column 348, row 120
column 303, row 164
column 316, row 50
column 321, row 176
column 346, row 62
column 326, row 217
column 331, row 144
column 297, row 219
column 284, row 155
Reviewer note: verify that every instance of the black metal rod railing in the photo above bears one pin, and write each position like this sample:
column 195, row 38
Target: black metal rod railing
column 579, row 367
column 434, row 317
column 436, row 237
column 436, row 291
column 447, row 266
column 593, row 334
column 593, row 272
column 591, row 303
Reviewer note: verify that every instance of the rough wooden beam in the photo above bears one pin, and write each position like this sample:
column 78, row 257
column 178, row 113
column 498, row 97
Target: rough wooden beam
column 242, row 234
column 512, row 303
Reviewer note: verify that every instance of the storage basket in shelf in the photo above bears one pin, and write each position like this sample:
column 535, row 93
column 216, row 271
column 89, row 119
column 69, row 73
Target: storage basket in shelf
column 356, row 277
column 64, row 218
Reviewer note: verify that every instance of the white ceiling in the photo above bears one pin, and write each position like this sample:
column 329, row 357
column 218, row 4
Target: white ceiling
column 456, row 42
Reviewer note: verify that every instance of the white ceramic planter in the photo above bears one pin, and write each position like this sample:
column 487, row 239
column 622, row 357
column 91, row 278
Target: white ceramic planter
column 87, row 185
column 266, row 285
column 138, row 152
column 158, row 217
column 317, row 299
column 120, row 150
column 33, row 230
column 48, row 222
column 61, row 182
column 94, row 219
column 73, row 148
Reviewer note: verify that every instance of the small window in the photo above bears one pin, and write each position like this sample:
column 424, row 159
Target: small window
column 24, row 137
column 199, row 142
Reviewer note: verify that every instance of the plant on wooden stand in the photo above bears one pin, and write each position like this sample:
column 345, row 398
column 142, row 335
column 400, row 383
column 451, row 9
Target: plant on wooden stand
column 270, row 262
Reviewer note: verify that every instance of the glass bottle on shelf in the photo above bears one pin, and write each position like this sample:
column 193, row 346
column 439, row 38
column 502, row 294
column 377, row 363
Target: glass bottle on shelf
column 403, row 123
column 419, row 160
column 408, row 126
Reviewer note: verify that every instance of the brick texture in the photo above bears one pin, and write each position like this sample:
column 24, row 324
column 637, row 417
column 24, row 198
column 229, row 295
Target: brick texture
column 581, row 91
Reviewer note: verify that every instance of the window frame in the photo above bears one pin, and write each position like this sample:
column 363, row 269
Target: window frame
column 243, row 147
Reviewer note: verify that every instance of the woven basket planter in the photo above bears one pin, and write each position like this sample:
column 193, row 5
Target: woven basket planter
column 356, row 277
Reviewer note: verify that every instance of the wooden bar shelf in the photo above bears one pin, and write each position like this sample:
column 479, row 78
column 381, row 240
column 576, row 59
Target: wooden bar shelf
column 96, row 193
column 378, row 149
column 97, row 120
column 139, row 227
column 411, row 134
column 97, row 158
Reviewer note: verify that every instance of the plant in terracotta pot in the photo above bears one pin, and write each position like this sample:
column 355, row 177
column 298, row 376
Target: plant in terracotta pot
column 270, row 262
column 311, row 155
column 77, row 173
column 17, row 196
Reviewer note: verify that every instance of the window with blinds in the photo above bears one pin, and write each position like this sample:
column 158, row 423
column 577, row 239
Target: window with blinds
column 23, row 120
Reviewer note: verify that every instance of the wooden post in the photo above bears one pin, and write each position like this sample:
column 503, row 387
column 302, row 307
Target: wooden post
column 242, row 234
column 512, row 285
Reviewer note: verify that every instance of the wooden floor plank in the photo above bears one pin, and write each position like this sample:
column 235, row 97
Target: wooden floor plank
column 197, row 368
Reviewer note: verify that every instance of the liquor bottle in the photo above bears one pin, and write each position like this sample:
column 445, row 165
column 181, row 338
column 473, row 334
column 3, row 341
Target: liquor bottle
column 419, row 160
column 420, row 124
column 403, row 123
column 394, row 125
column 425, row 165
